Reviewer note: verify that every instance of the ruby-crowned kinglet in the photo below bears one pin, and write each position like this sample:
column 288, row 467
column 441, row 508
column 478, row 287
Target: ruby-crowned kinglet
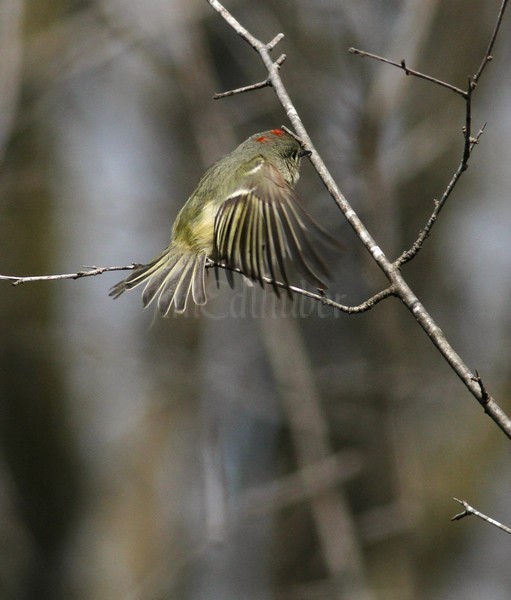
column 243, row 214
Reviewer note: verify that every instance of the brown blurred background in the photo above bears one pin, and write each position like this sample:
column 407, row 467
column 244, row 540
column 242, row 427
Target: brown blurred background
column 256, row 450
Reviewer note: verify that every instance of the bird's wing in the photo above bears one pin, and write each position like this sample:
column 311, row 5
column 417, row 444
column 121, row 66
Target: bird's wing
column 262, row 228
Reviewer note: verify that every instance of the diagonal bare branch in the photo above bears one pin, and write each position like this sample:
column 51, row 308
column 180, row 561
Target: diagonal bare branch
column 391, row 270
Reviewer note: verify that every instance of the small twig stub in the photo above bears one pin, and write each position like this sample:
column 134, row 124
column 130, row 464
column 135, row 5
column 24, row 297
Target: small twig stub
column 470, row 510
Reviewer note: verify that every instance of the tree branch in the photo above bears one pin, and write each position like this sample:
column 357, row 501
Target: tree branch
column 320, row 296
column 468, row 146
column 469, row 510
column 488, row 56
column 470, row 142
column 408, row 71
column 90, row 272
column 253, row 86
column 391, row 270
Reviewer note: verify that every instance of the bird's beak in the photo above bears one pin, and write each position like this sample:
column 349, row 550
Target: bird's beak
column 303, row 153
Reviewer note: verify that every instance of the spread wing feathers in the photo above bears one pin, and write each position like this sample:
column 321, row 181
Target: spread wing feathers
column 263, row 228
column 171, row 277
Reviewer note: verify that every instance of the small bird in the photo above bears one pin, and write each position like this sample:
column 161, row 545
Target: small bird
column 244, row 215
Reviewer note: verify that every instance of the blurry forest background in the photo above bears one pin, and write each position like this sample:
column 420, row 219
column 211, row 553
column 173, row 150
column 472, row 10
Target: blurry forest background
column 254, row 450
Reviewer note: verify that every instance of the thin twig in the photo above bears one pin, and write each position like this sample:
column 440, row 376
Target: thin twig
column 470, row 141
column 408, row 71
column 320, row 296
column 488, row 55
column 242, row 90
column 469, row 510
column 407, row 255
column 253, row 86
column 90, row 272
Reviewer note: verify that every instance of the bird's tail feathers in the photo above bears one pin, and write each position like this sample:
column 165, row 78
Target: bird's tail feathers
column 172, row 278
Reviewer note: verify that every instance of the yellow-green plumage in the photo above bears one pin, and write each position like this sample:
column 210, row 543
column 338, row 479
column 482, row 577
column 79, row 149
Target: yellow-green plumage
column 244, row 214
